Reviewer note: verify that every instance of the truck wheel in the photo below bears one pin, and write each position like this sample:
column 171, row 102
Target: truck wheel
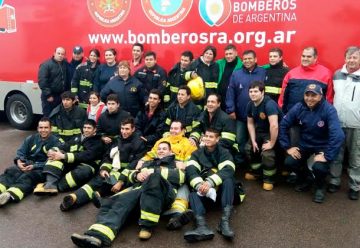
column 19, row 112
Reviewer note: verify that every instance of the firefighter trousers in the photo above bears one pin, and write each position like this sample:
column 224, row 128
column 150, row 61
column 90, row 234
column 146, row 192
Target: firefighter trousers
column 18, row 183
column 75, row 175
column 225, row 194
column 155, row 195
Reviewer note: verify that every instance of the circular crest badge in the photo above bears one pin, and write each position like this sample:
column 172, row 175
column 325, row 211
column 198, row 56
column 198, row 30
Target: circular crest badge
column 109, row 13
column 166, row 13
column 320, row 123
column 262, row 116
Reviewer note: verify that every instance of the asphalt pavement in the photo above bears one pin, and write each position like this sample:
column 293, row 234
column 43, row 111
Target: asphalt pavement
column 276, row 219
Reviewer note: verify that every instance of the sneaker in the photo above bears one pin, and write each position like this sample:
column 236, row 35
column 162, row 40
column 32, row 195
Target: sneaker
column 180, row 219
column 68, row 202
column 319, row 196
column 249, row 176
column 332, row 188
column 268, row 186
column 4, row 198
column 85, row 241
column 145, row 233
column 353, row 195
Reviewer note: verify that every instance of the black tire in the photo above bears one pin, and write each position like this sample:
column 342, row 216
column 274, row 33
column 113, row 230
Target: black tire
column 19, row 112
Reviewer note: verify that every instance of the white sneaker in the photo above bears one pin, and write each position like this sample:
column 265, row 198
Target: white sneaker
column 4, row 198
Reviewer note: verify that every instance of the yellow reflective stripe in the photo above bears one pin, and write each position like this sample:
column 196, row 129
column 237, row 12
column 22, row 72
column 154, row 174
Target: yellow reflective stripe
column 194, row 163
column 180, row 205
column 124, row 165
column 195, row 135
column 211, row 85
column 216, row 179
column 269, row 172
column 56, row 164
column 70, row 132
column 166, row 98
column 83, row 105
column 130, row 176
column 70, row 157
column 149, row 216
column 255, row 166
column 195, row 181
column 181, row 177
column 273, row 90
column 89, row 191
column 74, row 90
column 70, row 180
column 188, row 129
column 104, row 230
column 168, row 121
column 164, row 173
column 17, row 192
column 116, row 174
column 195, row 123
column 150, row 170
column 85, row 83
column 54, row 129
column 33, row 147
column 106, row 165
column 44, row 149
column 2, row 188
column 228, row 135
column 214, row 170
column 73, row 148
column 225, row 163
column 174, row 89
column 236, row 146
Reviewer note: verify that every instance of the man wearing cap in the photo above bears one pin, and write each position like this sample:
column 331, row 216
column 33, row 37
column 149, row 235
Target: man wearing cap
column 76, row 60
column 320, row 136
column 347, row 103
column 52, row 79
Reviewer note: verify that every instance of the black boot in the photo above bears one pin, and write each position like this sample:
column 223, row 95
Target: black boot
column 201, row 232
column 224, row 226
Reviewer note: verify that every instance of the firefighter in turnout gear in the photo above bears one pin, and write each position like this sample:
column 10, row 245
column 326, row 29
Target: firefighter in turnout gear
column 210, row 172
column 154, row 189
column 19, row 180
column 67, row 119
column 77, row 160
column 123, row 155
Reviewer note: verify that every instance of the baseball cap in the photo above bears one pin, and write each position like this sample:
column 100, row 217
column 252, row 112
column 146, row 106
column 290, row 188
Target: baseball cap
column 78, row 50
column 314, row 88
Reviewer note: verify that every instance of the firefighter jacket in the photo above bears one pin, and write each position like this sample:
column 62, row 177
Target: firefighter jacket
column 83, row 150
column 296, row 80
column 108, row 123
column 152, row 78
column 124, row 153
column 166, row 167
column 320, row 129
column 221, row 122
column 208, row 73
column 34, row 150
column 213, row 167
column 273, row 80
column 131, row 93
column 189, row 116
column 67, row 124
column 52, row 78
column 176, row 78
column 180, row 145
column 151, row 127
column 82, row 82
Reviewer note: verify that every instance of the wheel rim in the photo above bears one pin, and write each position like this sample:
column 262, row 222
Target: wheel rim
column 18, row 112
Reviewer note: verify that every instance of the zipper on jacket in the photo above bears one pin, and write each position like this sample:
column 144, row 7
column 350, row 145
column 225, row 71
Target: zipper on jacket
column 352, row 98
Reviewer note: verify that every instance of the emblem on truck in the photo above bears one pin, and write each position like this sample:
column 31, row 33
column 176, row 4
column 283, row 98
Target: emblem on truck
column 109, row 13
column 7, row 18
column 214, row 12
column 166, row 13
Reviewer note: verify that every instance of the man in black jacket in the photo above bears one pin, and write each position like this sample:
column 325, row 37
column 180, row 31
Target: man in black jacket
column 52, row 79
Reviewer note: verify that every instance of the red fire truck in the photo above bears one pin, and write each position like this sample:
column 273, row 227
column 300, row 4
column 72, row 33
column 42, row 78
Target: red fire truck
column 31, row 30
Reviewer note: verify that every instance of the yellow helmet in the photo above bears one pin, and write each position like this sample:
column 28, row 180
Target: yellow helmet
column 197, row 88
